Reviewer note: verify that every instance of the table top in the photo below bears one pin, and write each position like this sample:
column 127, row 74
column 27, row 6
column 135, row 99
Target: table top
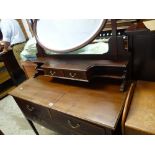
column 141, row 116
column 98, row 102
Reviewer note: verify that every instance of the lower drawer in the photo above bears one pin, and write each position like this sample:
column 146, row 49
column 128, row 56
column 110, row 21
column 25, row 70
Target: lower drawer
column 36, row 113
column 75, row 125
column 59, row 122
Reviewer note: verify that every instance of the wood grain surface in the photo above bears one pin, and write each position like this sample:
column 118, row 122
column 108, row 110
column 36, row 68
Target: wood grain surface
column 98, row 102
column 141, row 116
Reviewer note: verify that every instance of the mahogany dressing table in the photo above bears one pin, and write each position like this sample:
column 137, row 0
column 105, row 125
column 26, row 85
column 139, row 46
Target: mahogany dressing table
column 76, row 93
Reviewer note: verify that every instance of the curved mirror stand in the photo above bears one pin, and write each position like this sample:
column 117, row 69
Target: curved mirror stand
column 70, row 36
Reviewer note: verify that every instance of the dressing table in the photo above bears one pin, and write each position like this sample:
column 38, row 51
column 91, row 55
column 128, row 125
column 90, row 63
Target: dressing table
column 74, row 92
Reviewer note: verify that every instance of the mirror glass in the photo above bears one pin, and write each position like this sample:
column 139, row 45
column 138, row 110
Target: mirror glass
column 70, row 36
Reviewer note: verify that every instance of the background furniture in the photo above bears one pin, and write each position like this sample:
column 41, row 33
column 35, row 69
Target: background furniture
column 16, row 73
column 141, row 114
column 141, row 45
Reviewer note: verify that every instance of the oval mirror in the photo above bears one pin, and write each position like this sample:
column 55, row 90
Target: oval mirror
column 63, row 36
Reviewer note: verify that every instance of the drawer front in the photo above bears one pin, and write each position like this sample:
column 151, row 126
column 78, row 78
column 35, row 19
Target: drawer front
column 75, row 74
column 75, row 125
column 54, row 72
column 35, row 112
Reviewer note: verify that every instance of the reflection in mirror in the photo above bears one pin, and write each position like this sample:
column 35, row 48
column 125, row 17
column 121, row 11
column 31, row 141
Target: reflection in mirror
column 73, row 36
column 100, row 47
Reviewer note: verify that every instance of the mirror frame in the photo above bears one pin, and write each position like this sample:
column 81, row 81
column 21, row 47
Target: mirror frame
column 71, row 49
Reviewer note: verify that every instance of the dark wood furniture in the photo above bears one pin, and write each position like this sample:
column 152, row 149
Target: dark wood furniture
column 76, row 100
column 16, row 73
column 141, row 45
column 141, row 113
column 71, row 107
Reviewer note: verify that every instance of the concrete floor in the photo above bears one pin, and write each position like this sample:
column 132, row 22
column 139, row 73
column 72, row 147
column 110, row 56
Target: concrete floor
column 13, row 122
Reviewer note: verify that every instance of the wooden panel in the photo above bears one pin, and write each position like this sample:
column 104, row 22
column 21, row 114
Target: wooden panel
column 144, row 56
column 141, row 116
column 101, row 104
column 76, row 125
column 141, row 44
column 34, row 112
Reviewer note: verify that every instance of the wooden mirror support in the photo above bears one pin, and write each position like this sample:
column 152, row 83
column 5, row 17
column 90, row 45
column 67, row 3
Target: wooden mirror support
column 115, row 64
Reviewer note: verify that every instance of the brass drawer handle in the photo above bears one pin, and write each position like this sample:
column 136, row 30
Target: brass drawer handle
column 73, row 126
column 52, row 73
column 72, row 75
column 29, row 108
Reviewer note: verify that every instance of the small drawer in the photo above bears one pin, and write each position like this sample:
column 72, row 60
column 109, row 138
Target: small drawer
column 75, row 74
column 54, row 72
column 35, row 112
column 75, row 125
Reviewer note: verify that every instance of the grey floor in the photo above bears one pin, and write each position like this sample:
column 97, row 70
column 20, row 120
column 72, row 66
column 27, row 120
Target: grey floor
column 13, row 122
